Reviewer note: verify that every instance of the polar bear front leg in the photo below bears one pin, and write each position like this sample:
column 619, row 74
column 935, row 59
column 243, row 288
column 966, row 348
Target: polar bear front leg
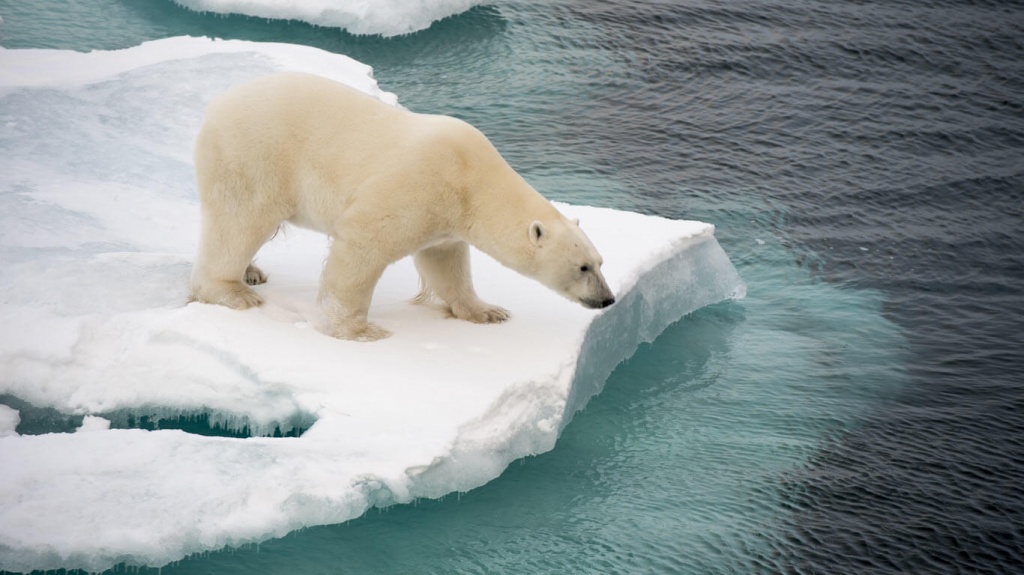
column 346, row 289
column 445, row 272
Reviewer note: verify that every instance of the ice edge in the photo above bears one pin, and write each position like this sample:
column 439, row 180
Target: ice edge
column 698, row 264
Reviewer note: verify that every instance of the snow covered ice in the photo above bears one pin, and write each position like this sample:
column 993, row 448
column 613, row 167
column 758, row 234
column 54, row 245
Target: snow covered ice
column 98, row 227
column 384, row 17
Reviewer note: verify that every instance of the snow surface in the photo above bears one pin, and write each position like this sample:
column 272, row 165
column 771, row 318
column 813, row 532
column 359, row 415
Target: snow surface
column 383, row 17
column 98, row 226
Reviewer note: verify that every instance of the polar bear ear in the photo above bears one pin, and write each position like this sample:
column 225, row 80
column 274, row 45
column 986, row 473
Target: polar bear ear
column 537, row 232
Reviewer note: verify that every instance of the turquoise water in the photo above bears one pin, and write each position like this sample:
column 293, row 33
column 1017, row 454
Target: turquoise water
column 674, row 468
column 698, row 455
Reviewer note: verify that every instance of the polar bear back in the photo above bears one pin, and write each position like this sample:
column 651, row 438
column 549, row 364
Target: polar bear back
column 308, row 147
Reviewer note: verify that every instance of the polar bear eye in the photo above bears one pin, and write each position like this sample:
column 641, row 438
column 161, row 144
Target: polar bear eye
column 584, row 268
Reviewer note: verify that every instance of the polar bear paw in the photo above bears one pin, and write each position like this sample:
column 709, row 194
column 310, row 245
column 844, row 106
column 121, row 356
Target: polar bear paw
column 243, row 298
column 479, row 313
column 254, row 276
column 364, row 332
column 235, row 295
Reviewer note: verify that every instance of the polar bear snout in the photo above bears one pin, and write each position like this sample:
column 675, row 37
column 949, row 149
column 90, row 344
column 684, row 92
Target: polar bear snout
column 599, row 296
column 598, row 304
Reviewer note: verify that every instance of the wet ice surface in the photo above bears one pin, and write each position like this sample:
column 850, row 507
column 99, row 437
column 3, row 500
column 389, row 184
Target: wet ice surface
column 97, row 234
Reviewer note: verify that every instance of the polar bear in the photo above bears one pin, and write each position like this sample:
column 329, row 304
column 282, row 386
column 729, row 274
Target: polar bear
column 382, row 182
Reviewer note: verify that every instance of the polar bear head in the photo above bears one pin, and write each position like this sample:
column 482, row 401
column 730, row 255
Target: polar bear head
column 566, row 262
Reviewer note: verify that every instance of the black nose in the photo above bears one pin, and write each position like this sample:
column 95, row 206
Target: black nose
column 608, row 302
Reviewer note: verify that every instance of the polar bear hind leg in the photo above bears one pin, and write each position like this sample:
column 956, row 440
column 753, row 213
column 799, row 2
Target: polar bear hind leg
column 445, row 273
column 223, row 270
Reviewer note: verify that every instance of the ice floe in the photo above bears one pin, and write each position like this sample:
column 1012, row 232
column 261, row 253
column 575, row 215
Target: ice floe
column 383, row 17
column 98, row 227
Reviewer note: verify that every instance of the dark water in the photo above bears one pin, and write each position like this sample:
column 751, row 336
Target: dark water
column 861, row 412
column 894, row 133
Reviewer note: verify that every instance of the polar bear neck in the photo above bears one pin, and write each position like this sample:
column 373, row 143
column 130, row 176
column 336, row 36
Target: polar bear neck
column 501, row 208
column 495, row 204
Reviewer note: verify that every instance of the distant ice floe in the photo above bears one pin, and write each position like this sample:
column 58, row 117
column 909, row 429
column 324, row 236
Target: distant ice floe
column 383, row 17
column 98, row 227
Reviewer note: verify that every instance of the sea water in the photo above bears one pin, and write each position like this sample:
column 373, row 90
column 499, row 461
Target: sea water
column 860, row 411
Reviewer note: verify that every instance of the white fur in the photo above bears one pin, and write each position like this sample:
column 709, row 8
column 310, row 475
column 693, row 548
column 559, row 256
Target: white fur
column 383, row 183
